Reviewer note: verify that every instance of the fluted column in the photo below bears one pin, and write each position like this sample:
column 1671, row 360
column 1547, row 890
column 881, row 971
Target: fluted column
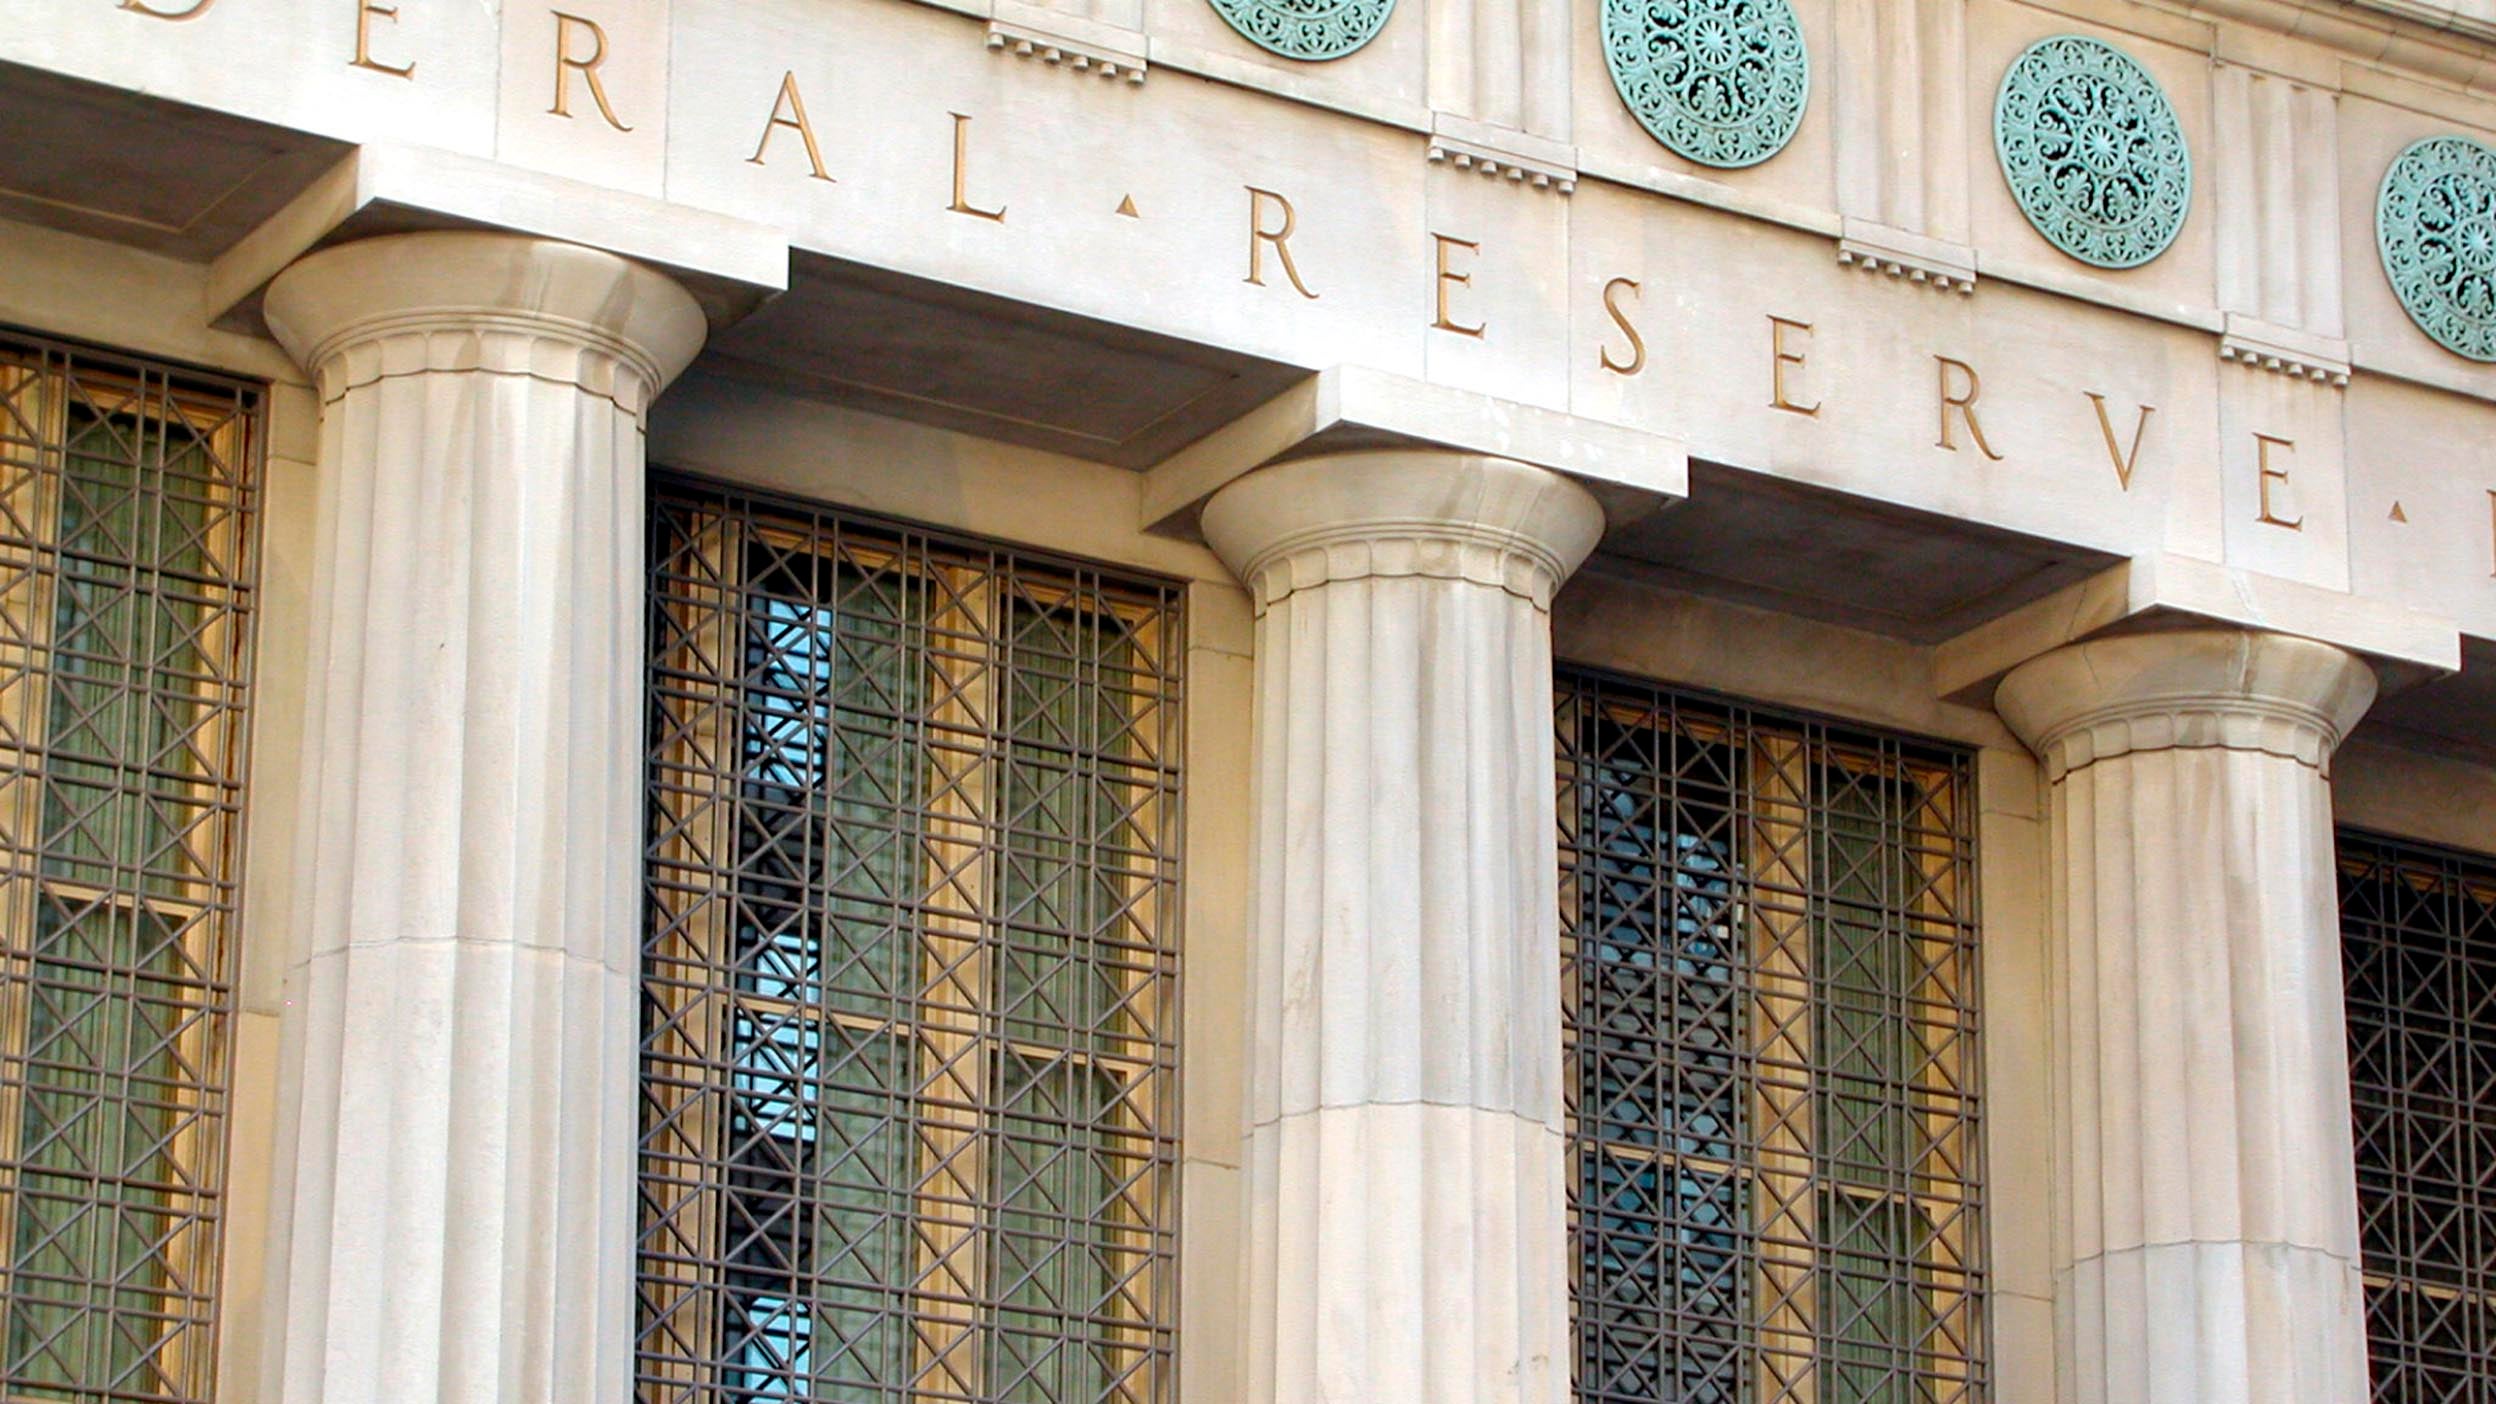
column 1406, row 1220
column 2207, row 1251
column 459, row 1034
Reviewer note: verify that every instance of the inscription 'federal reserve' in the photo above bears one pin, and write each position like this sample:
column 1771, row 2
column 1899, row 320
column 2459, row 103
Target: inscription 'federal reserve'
column 2429, row 218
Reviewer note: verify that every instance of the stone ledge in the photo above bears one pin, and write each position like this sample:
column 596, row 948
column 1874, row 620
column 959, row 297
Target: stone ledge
column 1080, row 45
column 730, row 265
column 2250, row 341
column 1498, row 151
column 2404, row 645
column 1632, row 472
column 1878, row 248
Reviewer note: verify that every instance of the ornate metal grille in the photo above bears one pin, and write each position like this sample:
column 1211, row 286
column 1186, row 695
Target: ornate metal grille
column 2418, row 928
column 1719, row 82
column 1770, row 953
column 908, row 1060
column 127, row 502
column 1309, row 30
column 2435, row 223
column 2092, row 151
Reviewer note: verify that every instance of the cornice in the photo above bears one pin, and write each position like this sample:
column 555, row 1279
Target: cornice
column 2428, row 39
column 2443, row 18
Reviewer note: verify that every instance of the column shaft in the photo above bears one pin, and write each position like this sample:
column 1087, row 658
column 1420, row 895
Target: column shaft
column 1407, row 1208
column 460, row 1031
column 2207, row 1251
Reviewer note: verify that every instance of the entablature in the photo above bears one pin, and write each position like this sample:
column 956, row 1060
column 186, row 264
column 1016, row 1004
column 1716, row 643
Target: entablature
column 1116, row 270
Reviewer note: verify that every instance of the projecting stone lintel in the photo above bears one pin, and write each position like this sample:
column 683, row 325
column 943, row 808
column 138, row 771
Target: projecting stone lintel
column 731, row 266
column 2406, row 647
column 1350, row 408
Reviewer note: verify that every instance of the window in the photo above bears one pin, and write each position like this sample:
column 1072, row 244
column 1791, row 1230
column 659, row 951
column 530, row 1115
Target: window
column 1769, row 950
column 2418, row 947
column 126, row 541
column 910, row 979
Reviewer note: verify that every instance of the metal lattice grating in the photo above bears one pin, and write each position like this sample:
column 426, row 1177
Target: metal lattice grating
column 127, row 501
column 2418, row 947
column 909, row 1052
column 1770, row 966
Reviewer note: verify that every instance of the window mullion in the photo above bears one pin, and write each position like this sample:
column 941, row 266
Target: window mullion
column 29, row 478
column 1946, row 1154
column 684, row 1145
column 1777, row 875
column 963, row 830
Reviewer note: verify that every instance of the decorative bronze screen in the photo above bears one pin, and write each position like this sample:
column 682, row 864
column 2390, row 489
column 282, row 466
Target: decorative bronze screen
column 1768, row 928
column 127, row 496
column 908, row 1063
column 2418, row 949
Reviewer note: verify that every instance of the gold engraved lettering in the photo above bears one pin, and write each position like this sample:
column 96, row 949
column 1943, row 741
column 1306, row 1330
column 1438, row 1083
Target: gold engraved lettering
column 586, row 67
column 1637, row 344
column 2267, row 475
column 1964, row 401
column 1779, row 358
column 1259, row 236
column 794, row 108
column 365, row 11
column 1447, row 278
column 2124, row 462
column 962, row 177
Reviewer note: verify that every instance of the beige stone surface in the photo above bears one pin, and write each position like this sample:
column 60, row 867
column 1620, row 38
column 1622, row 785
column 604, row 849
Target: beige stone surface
column 1405, row 1211
column 2408, row 793
column 2206, row 1248
column 2292, row 110
column 455, row 1174
column 2286, row 263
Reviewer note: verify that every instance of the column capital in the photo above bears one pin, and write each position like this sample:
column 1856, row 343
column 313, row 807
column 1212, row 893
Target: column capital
column 466, row 300
column 1433, row 513
column 2233, row 689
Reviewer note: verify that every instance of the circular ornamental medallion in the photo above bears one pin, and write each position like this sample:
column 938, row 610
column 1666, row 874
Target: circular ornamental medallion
column 1719, row 82
column 2092, row 151
column 1309, row 30
column 2435, row 226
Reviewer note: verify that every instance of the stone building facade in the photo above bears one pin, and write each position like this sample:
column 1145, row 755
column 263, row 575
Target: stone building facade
column 1287, row 701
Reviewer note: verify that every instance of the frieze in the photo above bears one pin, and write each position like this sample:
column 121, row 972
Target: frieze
column 979, row 168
